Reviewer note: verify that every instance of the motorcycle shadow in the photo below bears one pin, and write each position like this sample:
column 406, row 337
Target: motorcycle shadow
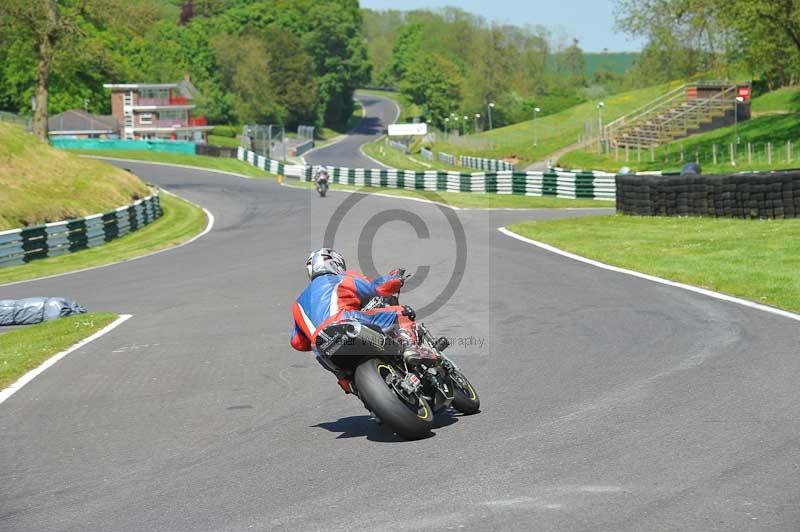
column 365, row 426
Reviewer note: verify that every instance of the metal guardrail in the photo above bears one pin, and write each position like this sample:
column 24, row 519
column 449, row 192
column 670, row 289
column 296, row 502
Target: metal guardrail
column 19, row 246
column 591, row 185
column 493, row 165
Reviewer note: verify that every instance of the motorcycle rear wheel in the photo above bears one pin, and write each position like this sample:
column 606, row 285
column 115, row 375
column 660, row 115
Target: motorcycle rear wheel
column 410, row 421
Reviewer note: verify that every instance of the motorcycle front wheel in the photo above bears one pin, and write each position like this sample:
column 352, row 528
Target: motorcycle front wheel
column 322, row 189
column 409, row 416
column 465, row 398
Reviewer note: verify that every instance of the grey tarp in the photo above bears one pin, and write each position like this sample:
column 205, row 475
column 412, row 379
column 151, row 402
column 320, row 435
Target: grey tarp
column 36, row 309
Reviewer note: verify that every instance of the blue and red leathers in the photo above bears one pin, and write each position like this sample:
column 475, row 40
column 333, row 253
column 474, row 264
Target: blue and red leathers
column 330, row 298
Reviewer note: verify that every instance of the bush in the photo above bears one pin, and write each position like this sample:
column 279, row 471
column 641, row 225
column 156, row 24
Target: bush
column 226, row 131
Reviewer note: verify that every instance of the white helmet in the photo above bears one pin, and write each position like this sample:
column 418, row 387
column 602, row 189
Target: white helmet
column 324, row 261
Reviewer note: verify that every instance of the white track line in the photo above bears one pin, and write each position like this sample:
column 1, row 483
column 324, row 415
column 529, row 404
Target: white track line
column 653, row 278
column 186, row 166
column 28, row 377
column 209, row 226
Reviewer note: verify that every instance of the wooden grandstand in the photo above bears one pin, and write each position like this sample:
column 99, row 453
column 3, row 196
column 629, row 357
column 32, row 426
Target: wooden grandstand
column 688, row 109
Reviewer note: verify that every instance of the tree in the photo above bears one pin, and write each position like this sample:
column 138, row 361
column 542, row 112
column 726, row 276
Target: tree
column 435, row 83
column 38, row 23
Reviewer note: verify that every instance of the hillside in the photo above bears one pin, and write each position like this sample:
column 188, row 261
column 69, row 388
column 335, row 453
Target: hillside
column 40, row 184
column 776, row 123
column 553, row 132
column 617, row 62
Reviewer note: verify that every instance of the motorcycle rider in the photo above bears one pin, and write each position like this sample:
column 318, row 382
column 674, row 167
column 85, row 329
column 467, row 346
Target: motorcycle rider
column 335, row 294
column 322, row 173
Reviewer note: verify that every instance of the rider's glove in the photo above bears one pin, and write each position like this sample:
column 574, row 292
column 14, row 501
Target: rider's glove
column 409, row 312
column 399, row 272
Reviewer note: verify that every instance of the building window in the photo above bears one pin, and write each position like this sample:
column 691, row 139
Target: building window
column 146, row 118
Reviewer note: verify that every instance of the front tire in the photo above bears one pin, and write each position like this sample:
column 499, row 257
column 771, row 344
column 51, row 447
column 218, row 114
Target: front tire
column 465, row 397
column 410, row 421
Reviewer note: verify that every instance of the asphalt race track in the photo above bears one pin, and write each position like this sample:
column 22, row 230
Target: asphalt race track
column 380, row 112
column 610, row 403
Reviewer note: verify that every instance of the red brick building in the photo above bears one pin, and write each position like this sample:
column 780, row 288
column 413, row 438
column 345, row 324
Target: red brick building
column 157, row 111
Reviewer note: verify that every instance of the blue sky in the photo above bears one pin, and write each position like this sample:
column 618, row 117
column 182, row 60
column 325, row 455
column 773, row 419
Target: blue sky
column 591, row 21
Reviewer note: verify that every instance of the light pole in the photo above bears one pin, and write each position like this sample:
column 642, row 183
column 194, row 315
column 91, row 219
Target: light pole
column 455, row 119
column 736, row 103
column 600, row 122
column 477, row 117
column 446, row 123
column 466, row 124
column 535, row 136
column 490, row 107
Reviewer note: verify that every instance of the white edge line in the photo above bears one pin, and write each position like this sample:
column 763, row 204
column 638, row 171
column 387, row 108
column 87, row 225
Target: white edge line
column 209, row 226
column 28, row 377
column 653, row 278
column 187, row 166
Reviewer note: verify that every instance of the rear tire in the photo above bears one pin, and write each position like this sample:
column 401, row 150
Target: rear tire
column 465, row 397
column 400, row 416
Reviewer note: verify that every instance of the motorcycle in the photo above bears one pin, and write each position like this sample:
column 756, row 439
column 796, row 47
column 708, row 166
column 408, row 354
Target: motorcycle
column 401, row 396
column 321, row 183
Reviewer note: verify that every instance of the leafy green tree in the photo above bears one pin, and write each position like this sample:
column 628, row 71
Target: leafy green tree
column 435, row 83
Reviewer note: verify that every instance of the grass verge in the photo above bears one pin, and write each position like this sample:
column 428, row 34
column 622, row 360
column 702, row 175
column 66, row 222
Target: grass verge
column 553, row 132
column 180, row 222
column 226, row 164
column 25, row 349
column 753, row 259
column 395, row 158
column 469, row 200
column 40, row 184
column 767, row 137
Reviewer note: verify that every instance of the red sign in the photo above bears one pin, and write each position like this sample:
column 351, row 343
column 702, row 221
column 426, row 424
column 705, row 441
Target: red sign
column 744, row 93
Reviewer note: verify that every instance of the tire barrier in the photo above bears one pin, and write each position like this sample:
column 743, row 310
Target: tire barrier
column 590, row 185
column 19, row 246
column 756, row 195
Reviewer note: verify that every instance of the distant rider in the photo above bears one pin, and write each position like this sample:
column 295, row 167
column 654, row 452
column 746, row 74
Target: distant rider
column 335, row 294
column 322, row 173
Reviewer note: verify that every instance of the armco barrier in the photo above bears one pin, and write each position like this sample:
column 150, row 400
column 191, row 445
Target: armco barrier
column 19, row 246
column 446, row 158
column 561, row 184
column 492, row 165
column 757, row 195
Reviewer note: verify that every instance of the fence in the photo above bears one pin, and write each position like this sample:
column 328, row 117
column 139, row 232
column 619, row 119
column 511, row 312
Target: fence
column 425, row 153
column 19, row 246
column 733, row 154
column 170, row 146
column 593, row 185
column 306, row 132
column 15, row 119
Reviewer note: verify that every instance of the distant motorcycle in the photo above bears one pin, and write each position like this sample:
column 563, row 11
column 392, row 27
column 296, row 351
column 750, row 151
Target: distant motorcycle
column 321, row 182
